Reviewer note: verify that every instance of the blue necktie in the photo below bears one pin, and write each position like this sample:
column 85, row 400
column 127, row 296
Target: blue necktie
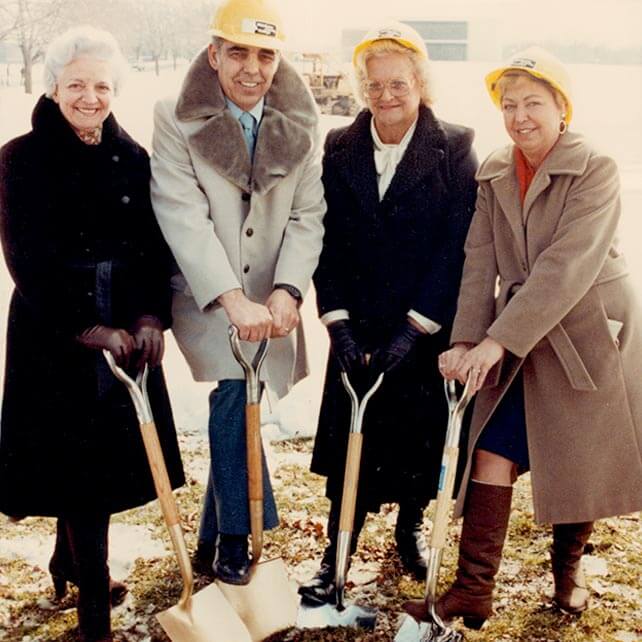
column 247, row 125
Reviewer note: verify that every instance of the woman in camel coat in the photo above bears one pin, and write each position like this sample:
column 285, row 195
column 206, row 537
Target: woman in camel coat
column 557, row 348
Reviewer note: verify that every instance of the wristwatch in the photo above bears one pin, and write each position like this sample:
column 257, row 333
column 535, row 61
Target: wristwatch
column 295, row 293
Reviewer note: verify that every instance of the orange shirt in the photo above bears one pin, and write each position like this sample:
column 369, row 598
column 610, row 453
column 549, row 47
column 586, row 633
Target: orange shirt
column 525, row 173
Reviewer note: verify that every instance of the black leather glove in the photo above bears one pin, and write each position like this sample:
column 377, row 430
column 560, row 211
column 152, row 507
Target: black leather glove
column 150, row 344
column 391, row 355
column 344, row 347
column 118, row 341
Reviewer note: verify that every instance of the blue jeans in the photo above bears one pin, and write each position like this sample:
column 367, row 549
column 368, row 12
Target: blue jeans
column 225, row 504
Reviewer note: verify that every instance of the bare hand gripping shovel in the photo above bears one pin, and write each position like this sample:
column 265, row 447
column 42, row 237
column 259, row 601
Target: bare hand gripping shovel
column 341, row 614
column 436, row 630
column 269, row 602
column 205, row 616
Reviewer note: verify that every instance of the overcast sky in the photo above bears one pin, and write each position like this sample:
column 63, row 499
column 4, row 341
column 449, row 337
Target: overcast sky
column 614, row 22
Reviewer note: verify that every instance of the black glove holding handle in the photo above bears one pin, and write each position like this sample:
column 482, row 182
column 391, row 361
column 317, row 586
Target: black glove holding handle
column 388, row 357
column 344, row 347
column 119, row 342
column 150, row 344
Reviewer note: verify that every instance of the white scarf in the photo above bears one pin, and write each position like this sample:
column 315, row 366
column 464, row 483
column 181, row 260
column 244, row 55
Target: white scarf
column 387, row 156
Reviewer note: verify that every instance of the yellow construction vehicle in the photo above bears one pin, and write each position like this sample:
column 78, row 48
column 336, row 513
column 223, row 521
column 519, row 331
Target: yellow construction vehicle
column 331, row 88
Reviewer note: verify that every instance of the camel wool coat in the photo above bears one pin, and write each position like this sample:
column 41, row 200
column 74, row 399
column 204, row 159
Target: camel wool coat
column 548, row 282
column 233, row 224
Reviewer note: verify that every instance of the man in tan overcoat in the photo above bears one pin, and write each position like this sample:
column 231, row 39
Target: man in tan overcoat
column 236, row 188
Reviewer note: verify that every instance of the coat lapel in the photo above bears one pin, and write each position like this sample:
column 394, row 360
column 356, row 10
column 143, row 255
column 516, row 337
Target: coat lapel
column 499, row 169
column 355, row 162
column 568, row 156
column 286, row 133
column 356, row 159
column 425, row 150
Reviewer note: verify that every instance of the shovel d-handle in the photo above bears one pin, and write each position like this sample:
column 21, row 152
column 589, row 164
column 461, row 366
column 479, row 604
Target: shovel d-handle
column 138, row 392
column 253, row 436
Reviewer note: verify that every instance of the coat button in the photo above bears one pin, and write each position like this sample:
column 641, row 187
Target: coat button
column 125, row 199
column 115, row 158
column 249, row 231
column 246, row 269
column 245, row 196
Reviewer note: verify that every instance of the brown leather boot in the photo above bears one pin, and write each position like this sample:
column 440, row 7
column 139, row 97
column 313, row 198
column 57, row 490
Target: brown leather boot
column 483, row 533
column 569, row 540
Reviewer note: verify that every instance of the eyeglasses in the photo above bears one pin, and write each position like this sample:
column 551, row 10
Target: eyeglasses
column 396, row 86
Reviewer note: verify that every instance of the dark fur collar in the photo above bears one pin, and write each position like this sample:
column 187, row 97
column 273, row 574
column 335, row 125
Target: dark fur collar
column 286, row 133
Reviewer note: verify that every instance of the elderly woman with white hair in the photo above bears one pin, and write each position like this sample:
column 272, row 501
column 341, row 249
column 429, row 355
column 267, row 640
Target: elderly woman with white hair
column 91, row 273
column 400, row 189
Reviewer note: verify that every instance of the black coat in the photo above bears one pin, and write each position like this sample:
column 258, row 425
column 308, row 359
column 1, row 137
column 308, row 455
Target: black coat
column 380, row 260
column 83, row 248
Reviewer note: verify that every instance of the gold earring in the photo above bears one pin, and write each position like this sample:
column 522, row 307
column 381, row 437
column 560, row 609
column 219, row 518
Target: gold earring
column 563, row 126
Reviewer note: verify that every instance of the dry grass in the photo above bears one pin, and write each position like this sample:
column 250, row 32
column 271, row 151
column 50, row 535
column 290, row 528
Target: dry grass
column 28, row 612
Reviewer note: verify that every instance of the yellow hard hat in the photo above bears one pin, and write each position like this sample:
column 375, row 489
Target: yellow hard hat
column 402, row 33
column 540, row 64
column 254, row 23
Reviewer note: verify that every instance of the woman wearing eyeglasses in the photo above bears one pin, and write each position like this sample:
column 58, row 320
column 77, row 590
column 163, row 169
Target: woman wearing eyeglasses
column 400, row 189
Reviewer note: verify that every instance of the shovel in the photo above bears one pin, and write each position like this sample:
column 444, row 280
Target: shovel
column 269, row 602
column 205, row 616
column 341, row 614
column 436, row 630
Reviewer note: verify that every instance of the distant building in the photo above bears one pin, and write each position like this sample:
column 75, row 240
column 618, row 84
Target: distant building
column 451, row 32
column 490, row 31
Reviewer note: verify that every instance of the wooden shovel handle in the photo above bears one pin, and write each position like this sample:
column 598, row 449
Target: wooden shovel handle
column 159, row 473
column 350, row 481
column 255, row 476
column 444, row 497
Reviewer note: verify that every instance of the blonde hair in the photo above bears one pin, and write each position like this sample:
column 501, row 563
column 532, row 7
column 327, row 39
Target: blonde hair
column 510, row 77
column 421, row 68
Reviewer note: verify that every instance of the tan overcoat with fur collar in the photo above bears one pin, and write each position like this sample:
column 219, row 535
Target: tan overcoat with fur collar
column 234, row 224
column 561, row 280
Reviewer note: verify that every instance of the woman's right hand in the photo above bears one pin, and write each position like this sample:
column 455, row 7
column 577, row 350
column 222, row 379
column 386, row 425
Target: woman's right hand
column 344, row 347
column 449, row 361
column 119, row 342
column 477, row 362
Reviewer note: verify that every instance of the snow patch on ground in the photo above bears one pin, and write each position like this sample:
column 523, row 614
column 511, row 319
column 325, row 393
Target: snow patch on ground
column 129, row 542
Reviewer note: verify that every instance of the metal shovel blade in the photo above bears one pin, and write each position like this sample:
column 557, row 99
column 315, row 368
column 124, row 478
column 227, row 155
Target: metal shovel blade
column 413, row 631
column 267, row 604
column 319, row 617
column 207, row 617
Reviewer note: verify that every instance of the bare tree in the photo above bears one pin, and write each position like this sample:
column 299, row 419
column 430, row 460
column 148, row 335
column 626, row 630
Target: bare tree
column 30, row 23
column 157, row 22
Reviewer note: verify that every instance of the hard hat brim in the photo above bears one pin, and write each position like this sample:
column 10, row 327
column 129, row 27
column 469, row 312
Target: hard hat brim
column 402, row 41
column 492, row 78
column 251, row 40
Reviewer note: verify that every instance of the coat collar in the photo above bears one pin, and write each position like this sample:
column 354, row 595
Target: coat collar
column 569, row 156
column 285, row 137
column 354, row 155
column 47, row 120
